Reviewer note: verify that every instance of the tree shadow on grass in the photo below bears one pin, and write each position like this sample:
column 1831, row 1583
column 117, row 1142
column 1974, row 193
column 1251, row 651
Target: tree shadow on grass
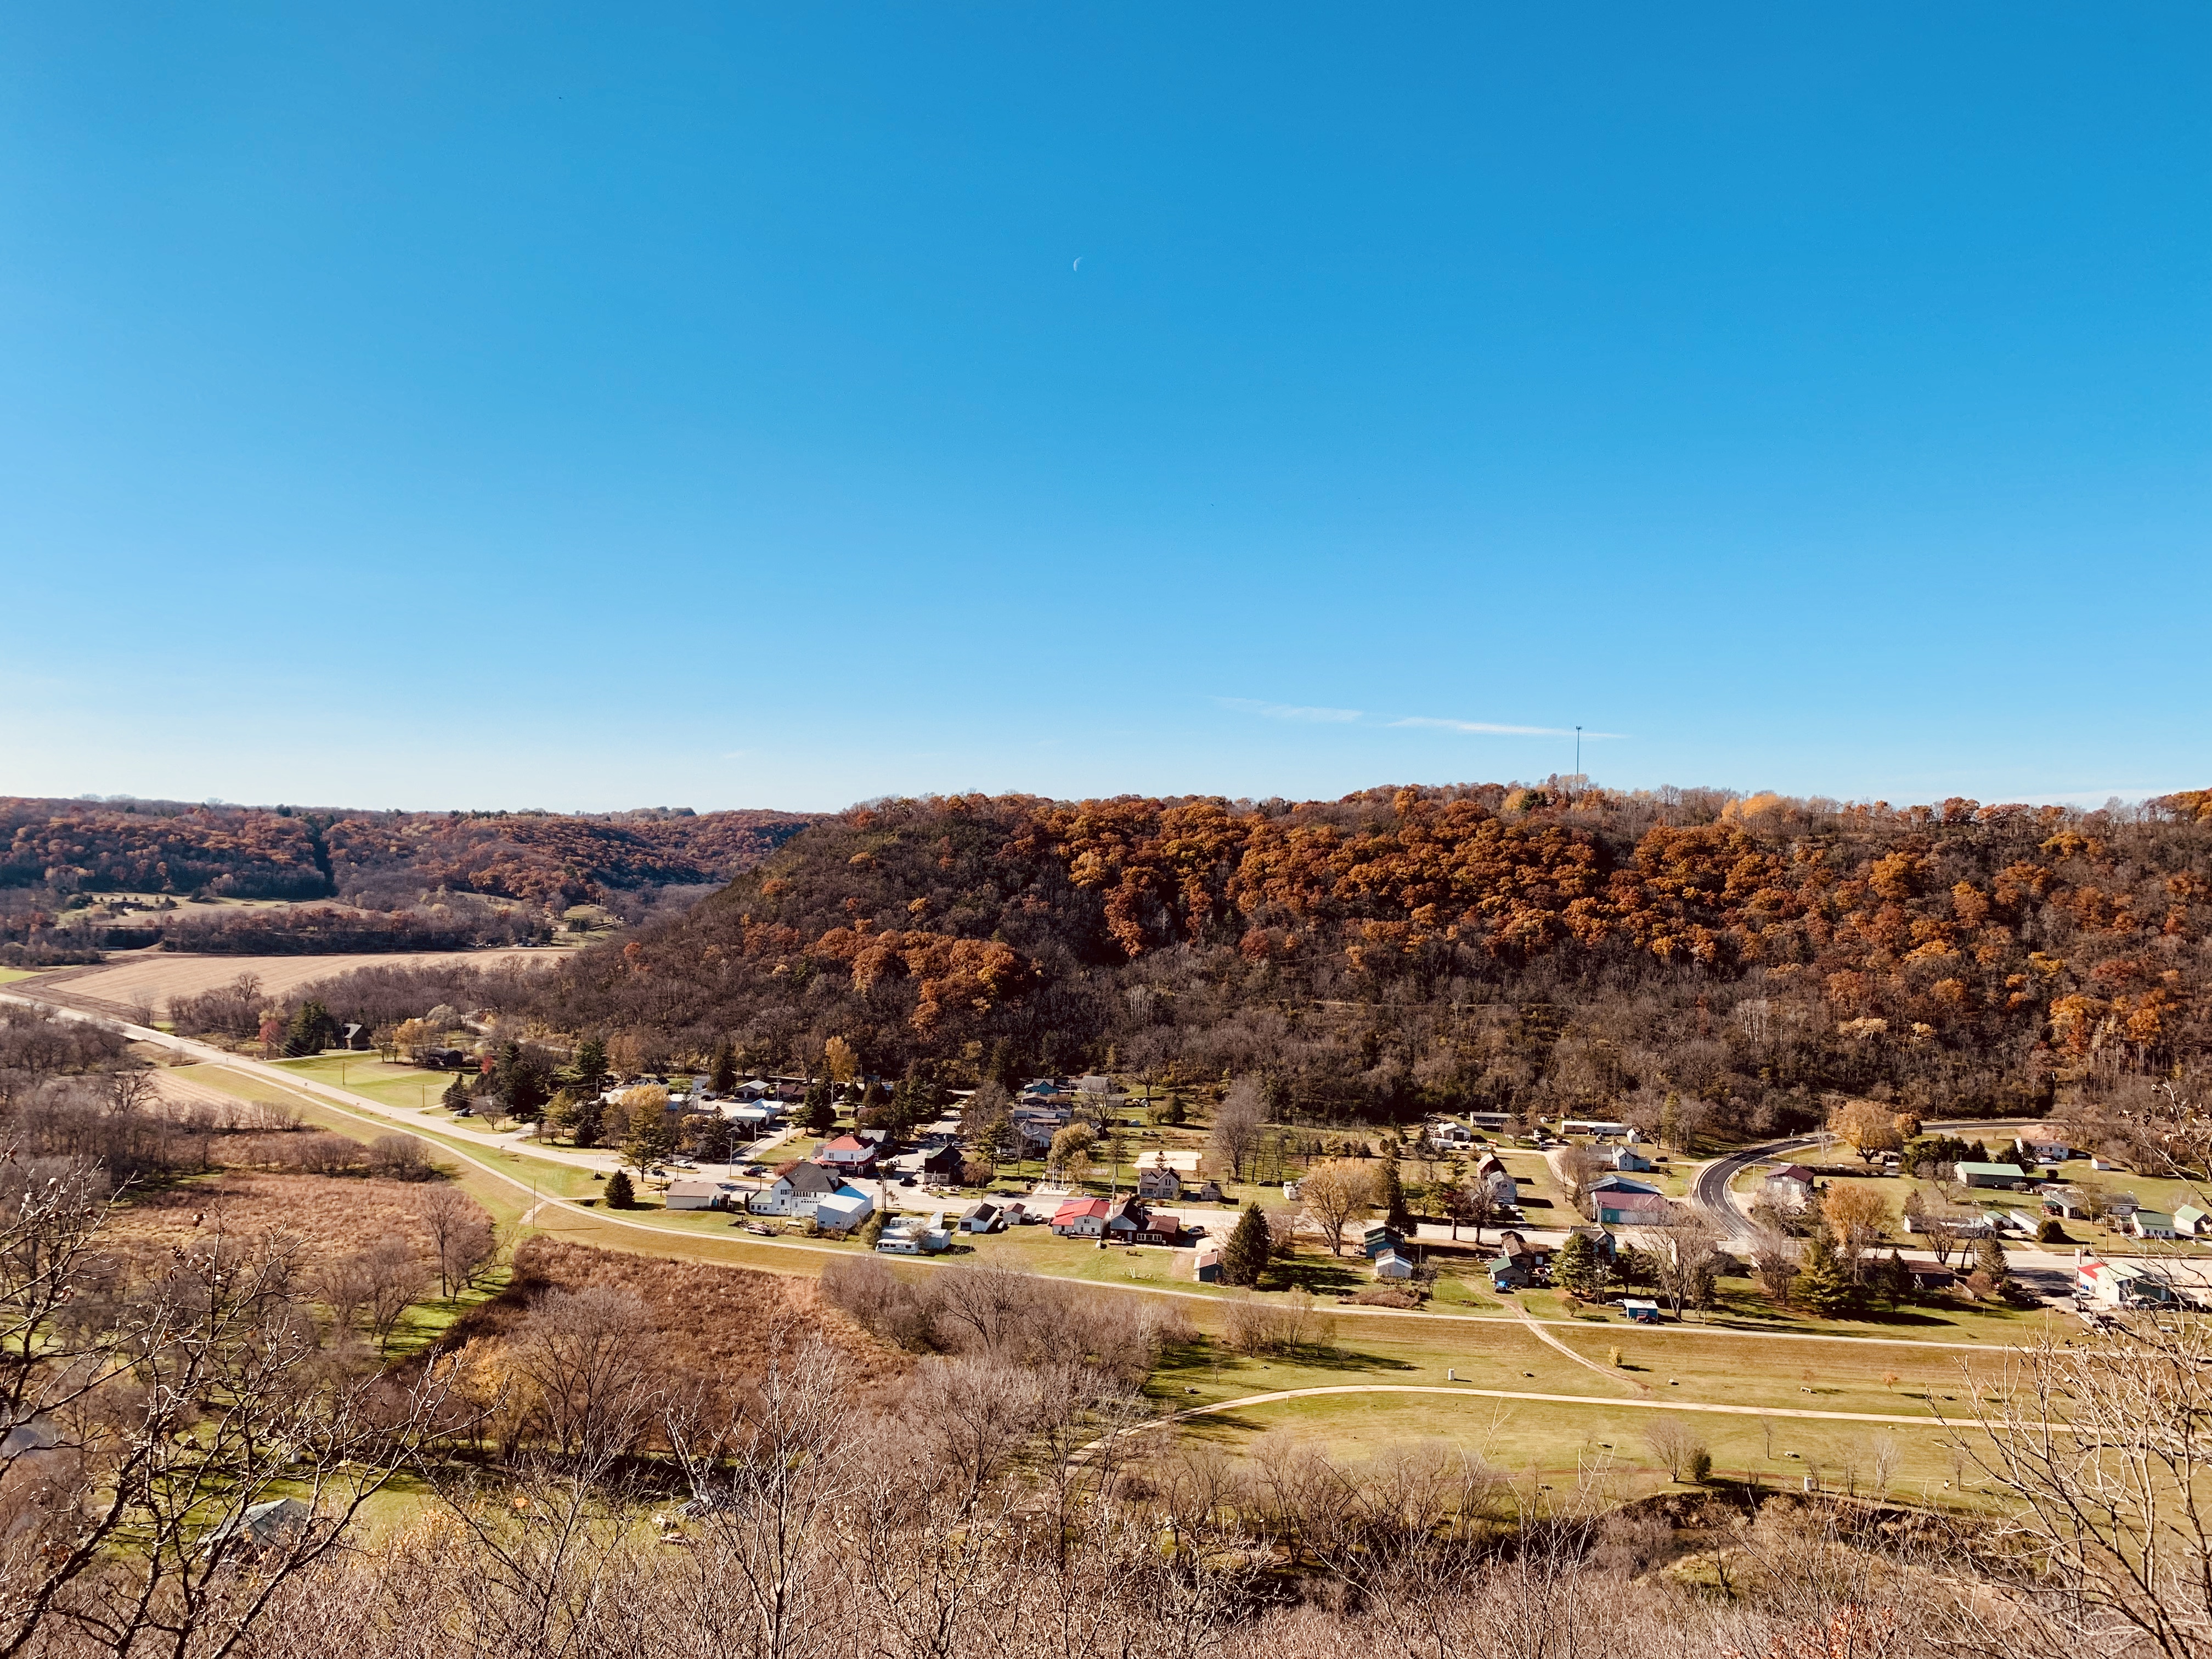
column 1321, row 1275
column 1344, row 1360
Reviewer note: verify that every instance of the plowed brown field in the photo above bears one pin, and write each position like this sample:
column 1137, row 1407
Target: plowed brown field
column 155, row 976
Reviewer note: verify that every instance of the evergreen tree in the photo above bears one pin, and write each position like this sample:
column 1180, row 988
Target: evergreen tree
column 1823, row 1284
column 1395, row 1213
column 310, row 1031
column 821, row 1113
column 1893, row 1279
column 1633, row 1268
column 588, row 1068
column 1990, row 1263
column 589, row 1124
column 620, row 1194
column 456, row 1093
column 561, row 1111
column 1244, row 1258
column 724, row 1072
column 716, row 1142
column 1577, row 1268
column 651, row 1131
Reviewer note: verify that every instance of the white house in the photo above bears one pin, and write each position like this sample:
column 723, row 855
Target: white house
column 1790, row 1186
column 844, row 1209
column 1628, row 1158
column 2151, row 1224
column 796, row 1190
column 2190, row 1222
column 1157, row 1181
column 2119, row 1285
column 1391, row 1265
column 849, row 1153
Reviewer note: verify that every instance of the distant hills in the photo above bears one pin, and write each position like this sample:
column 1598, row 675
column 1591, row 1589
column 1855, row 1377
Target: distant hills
column 1401, row 950
column 51, row 851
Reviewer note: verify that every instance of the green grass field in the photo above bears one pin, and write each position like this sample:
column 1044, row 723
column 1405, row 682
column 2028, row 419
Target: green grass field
column 1558, row 1447
column 10, row 975
column 1557, row 1438
column 389, row 1083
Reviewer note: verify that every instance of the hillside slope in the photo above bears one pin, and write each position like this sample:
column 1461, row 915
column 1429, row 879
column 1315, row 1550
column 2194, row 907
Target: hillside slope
column 1485, row 945
column 304, row 853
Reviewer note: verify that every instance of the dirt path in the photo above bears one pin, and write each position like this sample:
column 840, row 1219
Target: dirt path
column 1544, row 1337
column 1548, row 1400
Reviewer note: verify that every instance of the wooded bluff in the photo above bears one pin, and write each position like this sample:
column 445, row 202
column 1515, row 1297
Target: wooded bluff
column 1482, row 945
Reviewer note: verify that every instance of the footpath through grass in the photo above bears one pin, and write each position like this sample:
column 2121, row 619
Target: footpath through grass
column 1558, row 1437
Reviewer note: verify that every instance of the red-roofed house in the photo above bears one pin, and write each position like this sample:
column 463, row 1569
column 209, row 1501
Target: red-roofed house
column 1630, row 1209
column 849, row 1154
column 1081, row 1218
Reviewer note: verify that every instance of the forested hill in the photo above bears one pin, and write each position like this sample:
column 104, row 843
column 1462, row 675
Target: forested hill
column 1480, row 945
column 374, row 860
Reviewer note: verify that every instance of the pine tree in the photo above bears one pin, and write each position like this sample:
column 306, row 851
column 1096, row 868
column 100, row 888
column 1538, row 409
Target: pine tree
column 1577, row 1268
column 1244, row 1258
column 590, row 1123
column 821, row 1113
column 620, row 1194
column 456, row 1095
column 725, row 1069
column 1990, row 1263
column 588, row 1067
column 1894, row 1279
column 311, row 1031
column 1823, row 1284
column 1395, row 1214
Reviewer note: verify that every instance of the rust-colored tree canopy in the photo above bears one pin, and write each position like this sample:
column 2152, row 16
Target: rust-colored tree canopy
column 288, row 853
column 1446, row 944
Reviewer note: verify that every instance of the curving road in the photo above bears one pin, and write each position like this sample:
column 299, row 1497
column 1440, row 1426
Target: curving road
column 1709, row 1188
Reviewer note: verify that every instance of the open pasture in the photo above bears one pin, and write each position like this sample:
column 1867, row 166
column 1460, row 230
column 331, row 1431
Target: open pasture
column 154, row 978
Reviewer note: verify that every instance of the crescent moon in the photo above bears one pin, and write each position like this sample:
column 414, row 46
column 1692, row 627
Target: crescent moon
column 1078, row 265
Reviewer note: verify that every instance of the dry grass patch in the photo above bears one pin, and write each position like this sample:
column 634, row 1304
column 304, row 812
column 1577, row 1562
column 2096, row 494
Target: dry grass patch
column 709, row 1321
column 331, row 1217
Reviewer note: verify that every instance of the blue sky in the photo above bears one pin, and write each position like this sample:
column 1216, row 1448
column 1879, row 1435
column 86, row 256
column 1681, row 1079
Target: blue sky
column 430, row 406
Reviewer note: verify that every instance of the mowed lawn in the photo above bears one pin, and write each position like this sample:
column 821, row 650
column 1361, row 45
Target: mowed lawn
column 389, row 1083
column 1715, row 1368
column 1558, row 1437
column 1558, row 1447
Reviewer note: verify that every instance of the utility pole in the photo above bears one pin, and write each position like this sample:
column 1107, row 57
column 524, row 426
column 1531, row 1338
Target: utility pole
column 1578, row 755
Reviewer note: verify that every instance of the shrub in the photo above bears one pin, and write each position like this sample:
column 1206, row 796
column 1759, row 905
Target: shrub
column 2050, row 1232
column 1700, row 1464
column 399, row 1157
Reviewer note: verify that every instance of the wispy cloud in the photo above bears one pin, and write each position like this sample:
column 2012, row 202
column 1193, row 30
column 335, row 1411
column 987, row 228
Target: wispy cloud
column 1489, row 729
column 1283, row 711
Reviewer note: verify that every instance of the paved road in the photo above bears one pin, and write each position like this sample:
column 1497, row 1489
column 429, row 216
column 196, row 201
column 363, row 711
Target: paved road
column 380, row 1115
column 1709, row 1188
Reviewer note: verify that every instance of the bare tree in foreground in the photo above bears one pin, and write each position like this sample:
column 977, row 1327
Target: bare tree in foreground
column 2103, row 1446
